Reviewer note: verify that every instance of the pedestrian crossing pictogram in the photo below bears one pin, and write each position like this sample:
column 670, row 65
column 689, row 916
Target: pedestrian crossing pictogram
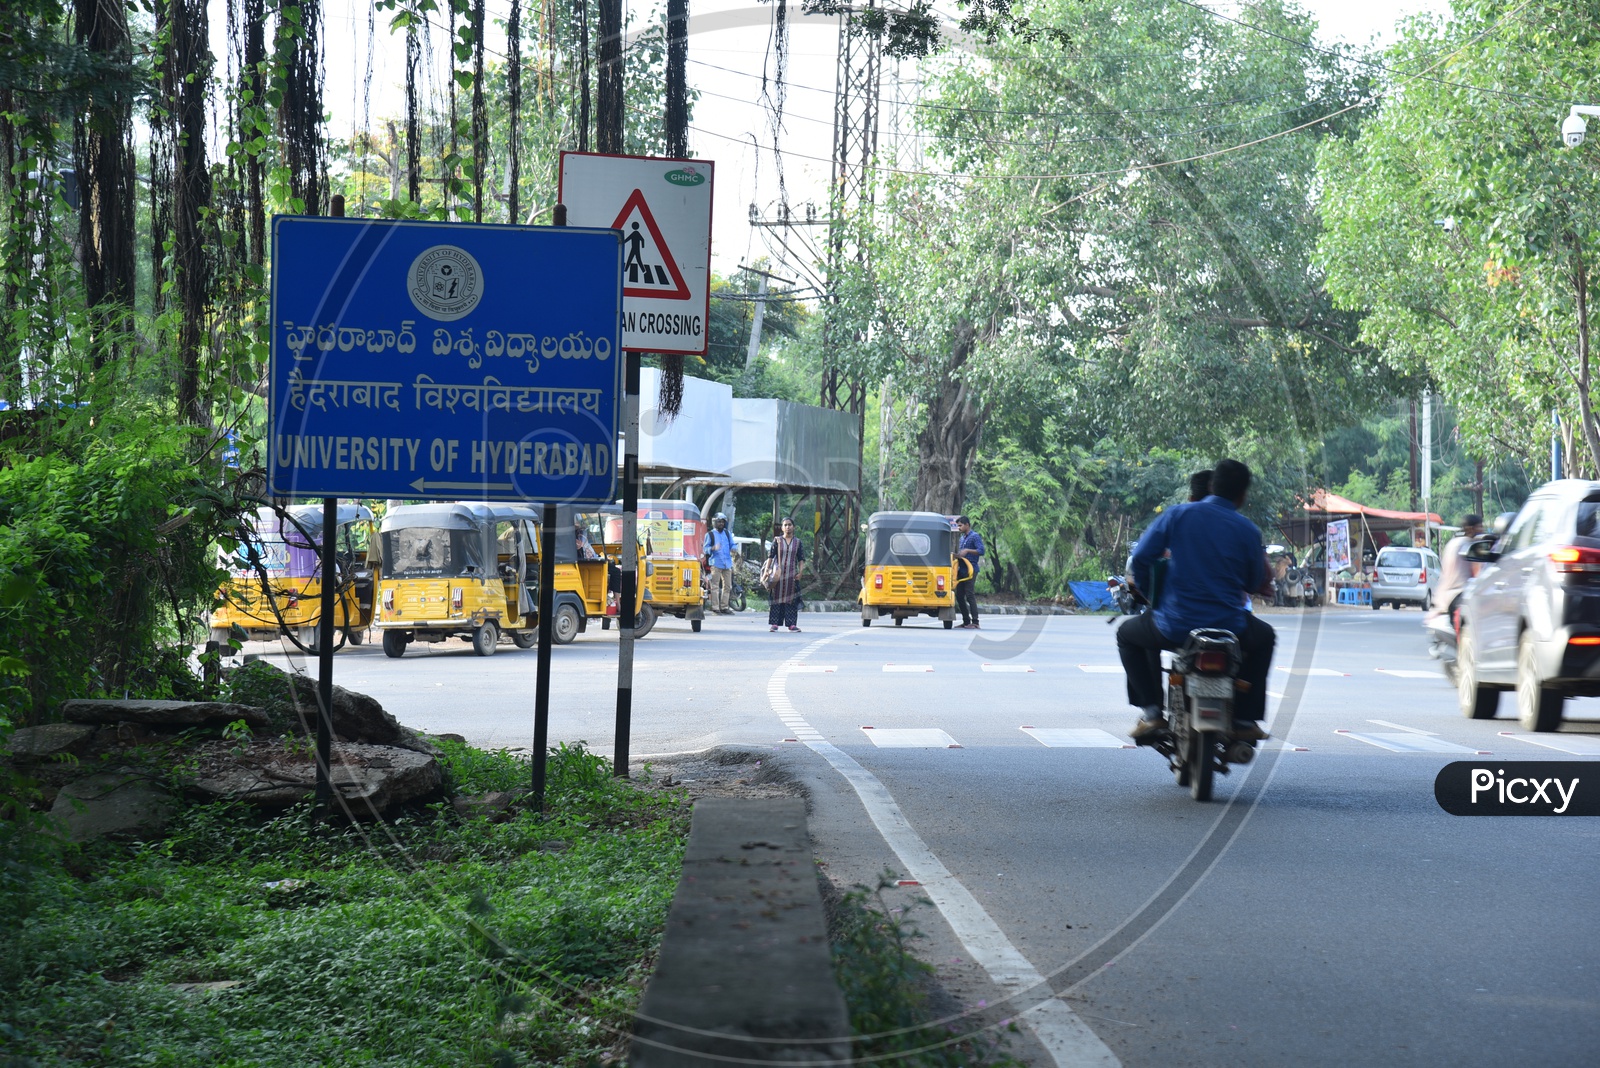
column 648, row 267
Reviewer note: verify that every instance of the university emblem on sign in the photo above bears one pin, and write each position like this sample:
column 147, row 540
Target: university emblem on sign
column 445, row 283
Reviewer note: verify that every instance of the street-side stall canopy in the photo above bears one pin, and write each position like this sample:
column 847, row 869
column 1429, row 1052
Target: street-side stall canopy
column 1369, row 527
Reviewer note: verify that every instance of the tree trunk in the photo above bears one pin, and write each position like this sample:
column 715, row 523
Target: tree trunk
column 254, row 84
column 948, row 441
column 299, row 58
column 12, row 265
column 608, row 95
column 186, row 75
column 480, row 114
column 106, row 181
column 677, row 78
column 514, row 112
column 413, row 130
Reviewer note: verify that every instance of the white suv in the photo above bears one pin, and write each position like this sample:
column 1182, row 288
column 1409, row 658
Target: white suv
column 1404, row 576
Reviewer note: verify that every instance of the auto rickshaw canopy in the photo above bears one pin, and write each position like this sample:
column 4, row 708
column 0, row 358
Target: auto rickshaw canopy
column 413, row 549
column 909, row 539
column 304, row 521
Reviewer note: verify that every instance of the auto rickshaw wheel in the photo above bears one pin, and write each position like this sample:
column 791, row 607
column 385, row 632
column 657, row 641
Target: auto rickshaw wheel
column 605, row 622
column 694, row 625
column 485, row 639
column 898, row 620
column 644, row 621
column 949, row 623
column 524, row 639
column 356, row 635
column 394, row 644
column 566, row 624
column 865, row 622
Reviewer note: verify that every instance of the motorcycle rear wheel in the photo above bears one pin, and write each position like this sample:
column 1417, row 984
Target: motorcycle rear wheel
column 1202, row 760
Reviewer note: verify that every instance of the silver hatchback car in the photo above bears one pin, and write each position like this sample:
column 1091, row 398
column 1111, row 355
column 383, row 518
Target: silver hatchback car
column 1403, row 576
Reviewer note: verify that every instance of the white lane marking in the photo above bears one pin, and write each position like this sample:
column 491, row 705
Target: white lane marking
column 1411, row 743
column 908, row 667
column 1576, row 744
column 816, row 669
column 1101, row 669
column 1067, row 1039
column 1399, row 674
column 1326, row 673
column 910, row 738
column 1275, row 693
column 1019, row 668
column 1075, row 738
column 1399, row 727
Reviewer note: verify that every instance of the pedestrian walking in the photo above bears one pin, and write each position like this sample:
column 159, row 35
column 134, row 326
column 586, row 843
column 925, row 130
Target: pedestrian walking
column 786, row 562
column 969, row 552
column 716, row 555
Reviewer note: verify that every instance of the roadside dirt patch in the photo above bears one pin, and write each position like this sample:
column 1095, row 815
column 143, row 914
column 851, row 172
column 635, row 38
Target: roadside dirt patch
column 724, row 771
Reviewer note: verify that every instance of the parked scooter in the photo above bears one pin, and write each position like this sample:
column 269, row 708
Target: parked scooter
column 1124, row 598
column 1202, row 686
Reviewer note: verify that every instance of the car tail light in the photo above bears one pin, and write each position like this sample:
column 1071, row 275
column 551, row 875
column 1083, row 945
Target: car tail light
column 1585, row 639
column 1572, row 559
column 688, row 577
column 1422, row 577
column 1211, row 662
column 877, row 581
column 388, row 600
column 457, row 598
column 941, row 583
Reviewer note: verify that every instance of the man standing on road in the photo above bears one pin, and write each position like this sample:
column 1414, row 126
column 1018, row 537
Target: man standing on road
column 1217, row 560
column 970, row 552
column 1453, row 570
column 717, row 554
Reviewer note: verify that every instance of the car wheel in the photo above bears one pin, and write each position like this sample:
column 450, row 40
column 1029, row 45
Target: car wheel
column 1427, row 602
column 1538, row 706
column 565, row 625
column 394, row 644
column 485, row 639
column 1376, row 604
column 1477, row 702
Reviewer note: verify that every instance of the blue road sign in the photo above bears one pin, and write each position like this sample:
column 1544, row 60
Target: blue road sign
column 444, row 361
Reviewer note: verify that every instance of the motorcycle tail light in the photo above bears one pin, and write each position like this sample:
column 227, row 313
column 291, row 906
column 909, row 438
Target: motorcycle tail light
column 877, row 581
column 1422, row 577
column 1572, row 559
column 457, row 598
column 388, row 600
column 941, row 583
column 1211, row 662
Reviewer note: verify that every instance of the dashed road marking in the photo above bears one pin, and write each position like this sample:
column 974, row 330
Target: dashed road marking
column 1075, row 738
column 1321, row 673
column 1407, row 674
column 908, row 667
column 1399, row 727
column 1017, row 668
column 1101, row 669
column 1411, row 743
column 814, row 669
column 910, row 738
column 1576, row 744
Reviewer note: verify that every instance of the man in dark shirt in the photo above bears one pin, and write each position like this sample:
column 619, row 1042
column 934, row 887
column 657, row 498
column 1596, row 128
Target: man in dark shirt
column 969, row 550
column 1217, row 561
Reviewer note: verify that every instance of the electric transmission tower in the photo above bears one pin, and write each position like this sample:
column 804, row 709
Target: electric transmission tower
column 855, row 143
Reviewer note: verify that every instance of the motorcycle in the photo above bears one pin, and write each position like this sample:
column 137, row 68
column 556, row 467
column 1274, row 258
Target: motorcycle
column 1442, row 637
column 1124, row 598
column 1202, row 686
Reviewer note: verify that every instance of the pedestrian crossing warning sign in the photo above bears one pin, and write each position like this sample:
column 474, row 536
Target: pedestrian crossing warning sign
column 661, row 211
column 648, row 269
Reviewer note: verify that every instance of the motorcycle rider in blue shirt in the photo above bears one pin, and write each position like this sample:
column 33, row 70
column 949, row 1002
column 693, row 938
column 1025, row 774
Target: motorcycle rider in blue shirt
column 1217, row 562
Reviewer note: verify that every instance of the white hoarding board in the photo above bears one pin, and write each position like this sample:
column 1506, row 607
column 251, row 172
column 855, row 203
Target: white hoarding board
column 663, row 208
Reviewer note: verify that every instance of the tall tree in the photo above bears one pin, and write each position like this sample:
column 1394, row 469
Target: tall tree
column 186, row 73
column 1468, row 234
column 297, row 75
column 104, row 150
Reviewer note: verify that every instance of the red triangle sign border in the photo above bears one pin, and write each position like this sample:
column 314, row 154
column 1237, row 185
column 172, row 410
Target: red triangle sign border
column 681, row 290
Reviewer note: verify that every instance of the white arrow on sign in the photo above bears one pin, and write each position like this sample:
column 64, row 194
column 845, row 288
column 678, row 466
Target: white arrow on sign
column 423, row 485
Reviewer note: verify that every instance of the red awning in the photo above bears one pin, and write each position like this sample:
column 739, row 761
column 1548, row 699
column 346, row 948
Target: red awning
column 1325, row 505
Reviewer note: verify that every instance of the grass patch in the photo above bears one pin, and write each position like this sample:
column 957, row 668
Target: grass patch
column 430, row 940
column 888, row 991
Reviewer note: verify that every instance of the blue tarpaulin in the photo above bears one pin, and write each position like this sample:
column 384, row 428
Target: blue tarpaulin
column 1091, row 594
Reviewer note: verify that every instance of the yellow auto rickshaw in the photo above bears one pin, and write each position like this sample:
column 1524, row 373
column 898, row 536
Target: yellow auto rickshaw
column 595, row 576
column 274, row 582
column 464, row 570
column 911, row 568
column 669, row 533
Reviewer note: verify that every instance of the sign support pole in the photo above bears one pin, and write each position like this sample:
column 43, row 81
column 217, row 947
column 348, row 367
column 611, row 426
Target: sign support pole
column 330, row 583
column 630, row 559
column 541, row 679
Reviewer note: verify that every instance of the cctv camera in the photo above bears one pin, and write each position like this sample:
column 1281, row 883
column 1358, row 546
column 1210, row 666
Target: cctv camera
column 1572, row 130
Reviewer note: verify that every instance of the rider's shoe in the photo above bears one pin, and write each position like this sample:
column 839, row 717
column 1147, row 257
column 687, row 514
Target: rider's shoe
column 1248, row 730
column 1147, row 728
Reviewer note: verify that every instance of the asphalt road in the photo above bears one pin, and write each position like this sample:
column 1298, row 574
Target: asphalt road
column 1321, row 910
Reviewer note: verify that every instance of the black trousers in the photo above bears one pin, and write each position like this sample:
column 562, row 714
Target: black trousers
column 967, row 600
column 1140, row 641
column 783, row 613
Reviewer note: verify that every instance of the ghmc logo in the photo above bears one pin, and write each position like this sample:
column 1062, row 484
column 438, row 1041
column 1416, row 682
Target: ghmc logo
column 445, row 283
column 685, row 176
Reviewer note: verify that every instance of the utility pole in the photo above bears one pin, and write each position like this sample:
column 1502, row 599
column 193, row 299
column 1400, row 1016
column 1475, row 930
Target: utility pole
column 760, row 313
column 1427, row 451
column 1477, row 490
column 1413, row 447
